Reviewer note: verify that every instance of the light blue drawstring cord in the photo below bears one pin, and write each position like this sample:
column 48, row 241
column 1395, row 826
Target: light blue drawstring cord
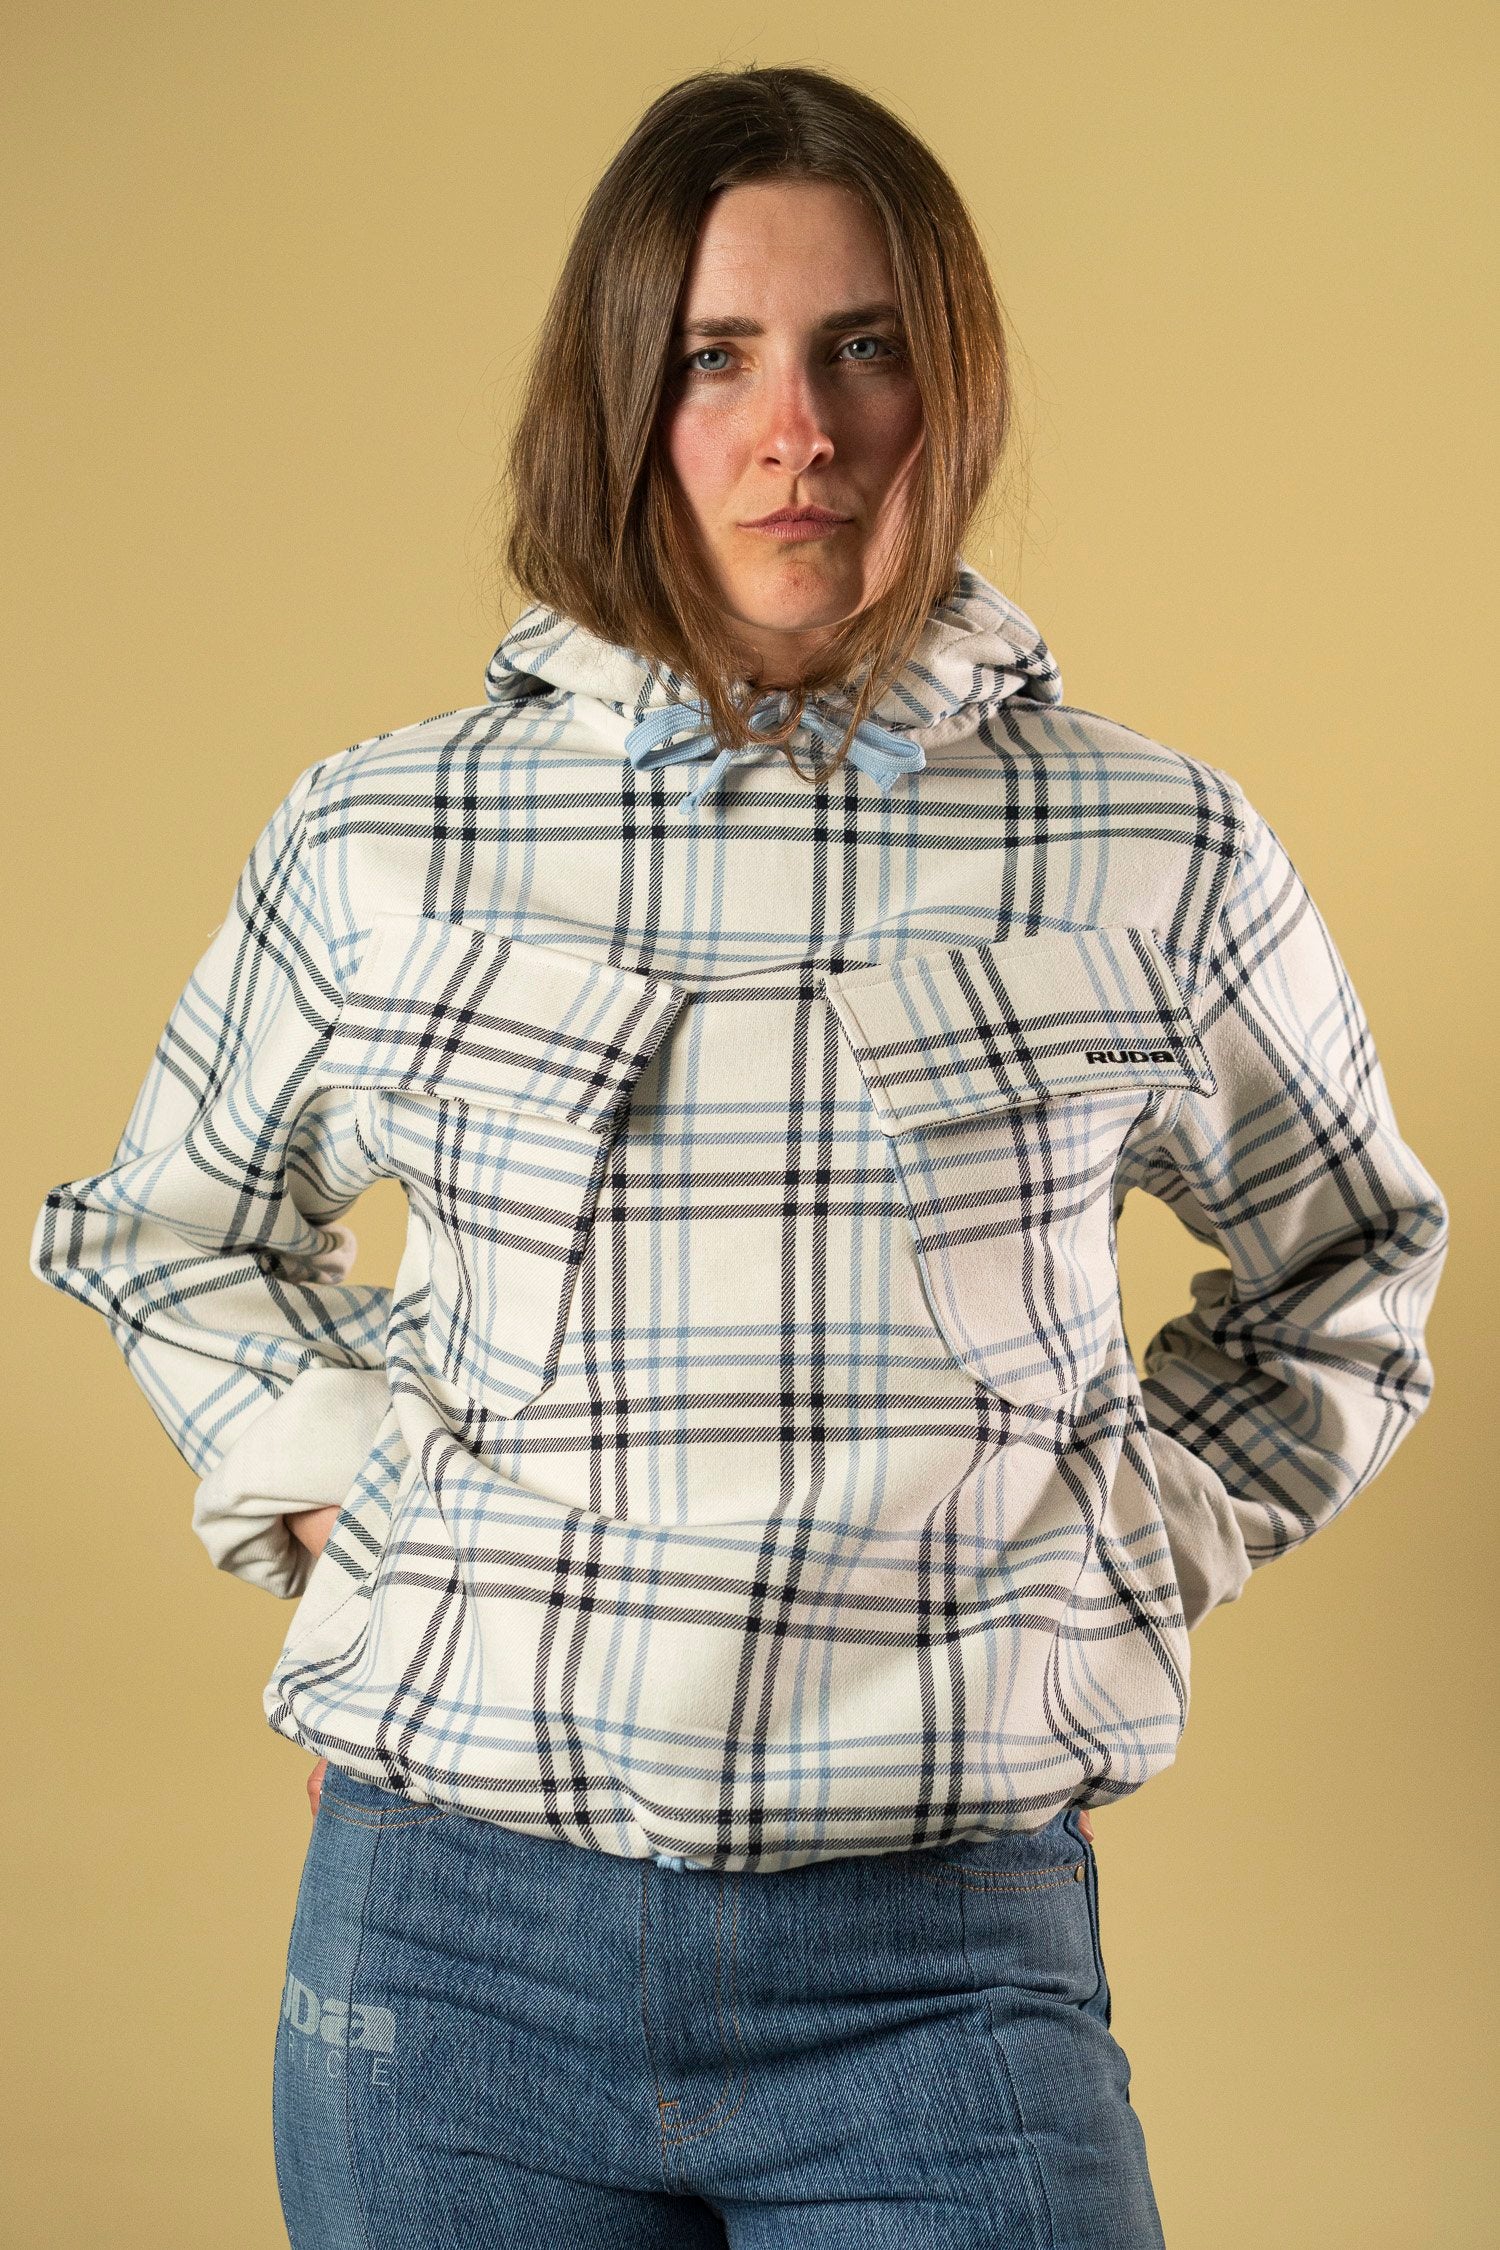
column 676, row 731
column 668, row 1859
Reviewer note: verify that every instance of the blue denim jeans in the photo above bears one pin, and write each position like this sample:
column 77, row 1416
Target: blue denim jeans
column 493, row 2038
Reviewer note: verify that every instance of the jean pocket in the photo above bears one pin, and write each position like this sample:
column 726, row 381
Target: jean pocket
column 1024, row 1899
column 1020, row 1857
column 367, row 1804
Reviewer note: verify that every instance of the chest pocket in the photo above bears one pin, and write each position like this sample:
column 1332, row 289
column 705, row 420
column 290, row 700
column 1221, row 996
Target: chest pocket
column 1007, row 1078
column 497, row 1071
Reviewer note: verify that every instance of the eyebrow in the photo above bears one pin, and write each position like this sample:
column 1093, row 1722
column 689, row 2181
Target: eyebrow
column 735, row 324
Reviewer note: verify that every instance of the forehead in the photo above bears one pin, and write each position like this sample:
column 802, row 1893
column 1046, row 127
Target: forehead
column 803, row 244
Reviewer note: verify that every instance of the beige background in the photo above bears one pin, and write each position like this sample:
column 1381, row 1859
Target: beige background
column 275, row 275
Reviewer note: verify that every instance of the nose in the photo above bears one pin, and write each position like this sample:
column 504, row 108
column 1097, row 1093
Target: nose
column 794, row 431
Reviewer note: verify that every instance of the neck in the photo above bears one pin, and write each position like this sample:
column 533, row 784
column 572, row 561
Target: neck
column 773, row 659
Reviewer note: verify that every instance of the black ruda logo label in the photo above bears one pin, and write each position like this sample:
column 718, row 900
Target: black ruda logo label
column 1129, row 1054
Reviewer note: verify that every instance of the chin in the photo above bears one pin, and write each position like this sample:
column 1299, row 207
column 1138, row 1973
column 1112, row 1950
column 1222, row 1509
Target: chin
column 794, row 598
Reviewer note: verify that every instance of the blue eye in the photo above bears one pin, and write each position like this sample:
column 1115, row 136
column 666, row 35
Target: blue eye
column 705, row 351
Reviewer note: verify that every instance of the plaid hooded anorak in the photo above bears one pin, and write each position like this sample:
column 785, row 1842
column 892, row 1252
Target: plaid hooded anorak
column 747, row 1462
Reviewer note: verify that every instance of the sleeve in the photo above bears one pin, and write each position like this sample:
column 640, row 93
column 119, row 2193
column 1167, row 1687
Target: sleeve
column 211, row 1244
column 1302, row 1363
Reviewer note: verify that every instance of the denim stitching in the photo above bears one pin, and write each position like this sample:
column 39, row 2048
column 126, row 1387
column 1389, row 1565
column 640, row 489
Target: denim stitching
column 662, row 2103
column 933, row 1857
column 1031, row 2162
column 358, row 1818
column 1029, row 2155
column 705, row 2125
column 359, row 1952
column 969, row 1878
column 1091, row 1887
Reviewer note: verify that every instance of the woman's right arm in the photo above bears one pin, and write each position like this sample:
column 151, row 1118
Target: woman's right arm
column 210, row 1245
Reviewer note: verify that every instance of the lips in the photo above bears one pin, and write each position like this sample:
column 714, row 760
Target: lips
column 791, row 516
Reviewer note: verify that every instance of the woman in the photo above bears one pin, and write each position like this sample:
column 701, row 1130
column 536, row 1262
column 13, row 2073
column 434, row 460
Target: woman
column 738, row 1549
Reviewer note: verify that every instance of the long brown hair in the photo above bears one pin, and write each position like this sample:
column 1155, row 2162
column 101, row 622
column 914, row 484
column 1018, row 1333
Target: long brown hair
column 595, row 530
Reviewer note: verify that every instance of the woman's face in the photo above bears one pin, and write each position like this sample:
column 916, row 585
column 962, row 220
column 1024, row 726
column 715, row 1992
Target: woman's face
column 790, row 389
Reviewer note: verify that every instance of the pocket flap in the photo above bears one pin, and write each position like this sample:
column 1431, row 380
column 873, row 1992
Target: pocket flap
column 450, row 1010
column 950, row 1031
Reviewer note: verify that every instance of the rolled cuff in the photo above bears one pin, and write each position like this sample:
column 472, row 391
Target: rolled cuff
column 304, row 1452
column 1208, row 1548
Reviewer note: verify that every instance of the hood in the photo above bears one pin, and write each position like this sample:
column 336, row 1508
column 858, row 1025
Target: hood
column 976, row 651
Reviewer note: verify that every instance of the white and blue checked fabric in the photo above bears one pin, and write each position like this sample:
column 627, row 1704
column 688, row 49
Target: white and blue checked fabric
column 746, row 1465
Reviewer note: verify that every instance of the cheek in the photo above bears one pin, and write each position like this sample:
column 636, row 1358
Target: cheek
column 704, row 450
column 892, row 430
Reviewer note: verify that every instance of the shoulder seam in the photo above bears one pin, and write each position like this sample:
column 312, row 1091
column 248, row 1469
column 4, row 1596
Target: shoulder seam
column 309, row 781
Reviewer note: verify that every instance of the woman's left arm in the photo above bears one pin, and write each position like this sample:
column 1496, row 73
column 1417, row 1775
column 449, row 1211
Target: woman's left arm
column 1302, row 1363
